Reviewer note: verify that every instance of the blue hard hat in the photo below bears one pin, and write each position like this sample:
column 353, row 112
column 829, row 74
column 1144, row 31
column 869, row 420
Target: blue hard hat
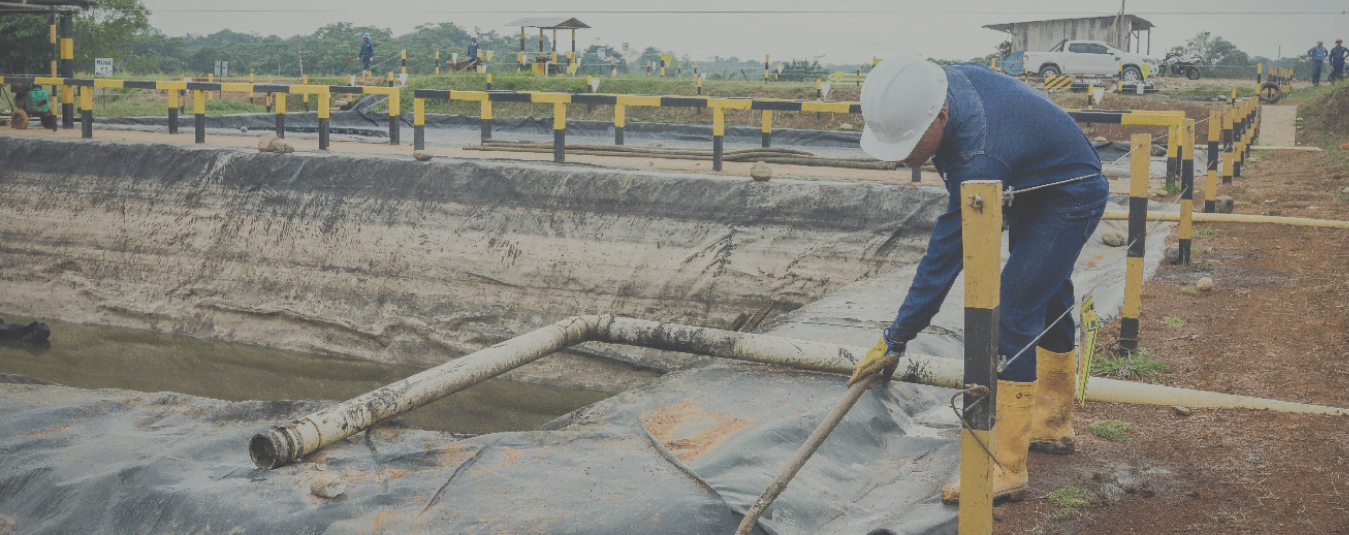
column 365, row 35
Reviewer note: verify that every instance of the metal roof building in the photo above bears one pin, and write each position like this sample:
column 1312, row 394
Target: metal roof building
column 1120, row 31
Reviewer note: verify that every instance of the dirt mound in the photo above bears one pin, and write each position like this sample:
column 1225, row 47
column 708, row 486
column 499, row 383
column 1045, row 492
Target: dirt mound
column 1328, row 116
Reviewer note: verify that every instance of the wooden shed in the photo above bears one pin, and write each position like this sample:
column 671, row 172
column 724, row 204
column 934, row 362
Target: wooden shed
column 1120, row 31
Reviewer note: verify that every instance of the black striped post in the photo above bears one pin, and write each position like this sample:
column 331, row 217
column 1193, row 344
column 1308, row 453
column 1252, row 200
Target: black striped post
column 559, row 132
column 485, row 122
column 280, row 108
column 173, row 111
column 67, row 69
column 1227, row 145
column 1211, row 184
column 1138, row 209
column 620, row 119
column 718, row 130
column 418, row 123
column 1238, row 138
column 395, row 118
column 199, row 115
column 981, row 226
column 1186, row 190
column 87, row 112
column 767, row 128
column 324, row 112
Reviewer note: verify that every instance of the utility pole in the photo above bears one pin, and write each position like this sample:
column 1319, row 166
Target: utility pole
column 300, row 52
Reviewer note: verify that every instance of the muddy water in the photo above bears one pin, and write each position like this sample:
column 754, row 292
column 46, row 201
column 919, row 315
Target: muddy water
column 88, row 356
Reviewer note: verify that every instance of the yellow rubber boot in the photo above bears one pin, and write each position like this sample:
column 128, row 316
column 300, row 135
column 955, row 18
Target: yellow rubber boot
column 1011, row 440
column 1051, row 428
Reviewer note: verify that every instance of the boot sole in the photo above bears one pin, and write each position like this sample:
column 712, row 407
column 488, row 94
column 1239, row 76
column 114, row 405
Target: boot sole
column 1056, row 448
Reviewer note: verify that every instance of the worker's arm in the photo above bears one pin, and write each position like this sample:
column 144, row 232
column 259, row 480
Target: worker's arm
column 944, row 259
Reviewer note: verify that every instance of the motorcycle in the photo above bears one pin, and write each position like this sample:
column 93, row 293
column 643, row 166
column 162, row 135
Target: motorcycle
column 1178, row 65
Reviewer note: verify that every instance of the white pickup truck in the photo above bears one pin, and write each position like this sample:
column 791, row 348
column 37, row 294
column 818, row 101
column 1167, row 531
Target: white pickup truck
column 1087, row 58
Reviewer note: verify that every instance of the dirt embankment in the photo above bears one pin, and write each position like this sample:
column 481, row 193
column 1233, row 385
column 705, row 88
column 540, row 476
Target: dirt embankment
column 1277, row 326
column 406, row 262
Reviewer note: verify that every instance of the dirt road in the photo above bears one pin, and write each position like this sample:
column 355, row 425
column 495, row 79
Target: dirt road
column 1277, row 126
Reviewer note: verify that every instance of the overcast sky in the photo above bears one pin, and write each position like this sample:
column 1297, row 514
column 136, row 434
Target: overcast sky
column 854, row 31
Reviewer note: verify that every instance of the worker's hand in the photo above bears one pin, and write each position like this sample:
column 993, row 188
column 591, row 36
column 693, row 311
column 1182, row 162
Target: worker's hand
column 882, row 359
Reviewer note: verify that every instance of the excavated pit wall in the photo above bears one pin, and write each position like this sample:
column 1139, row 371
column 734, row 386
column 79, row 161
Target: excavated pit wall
column 397, row 261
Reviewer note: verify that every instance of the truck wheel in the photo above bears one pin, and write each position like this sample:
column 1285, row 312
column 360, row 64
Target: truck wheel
column 1048, row 70
column 1131, row 74
column 18, row 120
column 1192, row 73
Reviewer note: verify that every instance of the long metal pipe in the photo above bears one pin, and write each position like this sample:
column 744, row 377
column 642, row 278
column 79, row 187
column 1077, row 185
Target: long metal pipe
column 284, row 444
column 1121, row 215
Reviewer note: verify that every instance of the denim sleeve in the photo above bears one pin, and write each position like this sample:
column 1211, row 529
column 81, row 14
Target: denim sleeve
column 944, row 259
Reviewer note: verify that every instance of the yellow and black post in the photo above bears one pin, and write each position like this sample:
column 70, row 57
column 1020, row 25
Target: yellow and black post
column 1186, row 189
column 767, row 128
column 281, row 111
column 404, row 56
column 418, row 123
column 1238, row 139
column 620, row 120
column 1227, row 144
column 1172, row 156
column 87, row 112
column 1211, row 182
column 395, row 117
column 485, row 120
column 388, row 78
column 56, row 48
column 173, row 111
column 559, row 132
column 766, row 68
column 1138, row 211
column 436, row 59
column 700, row 83
column 489, row 81
column 324, row 112
column 199, row 114
column 981, row 226
column 718, row 130
column 67, row 69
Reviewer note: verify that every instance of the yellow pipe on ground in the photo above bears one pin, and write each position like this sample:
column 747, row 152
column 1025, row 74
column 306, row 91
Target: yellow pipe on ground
column 1121, row 215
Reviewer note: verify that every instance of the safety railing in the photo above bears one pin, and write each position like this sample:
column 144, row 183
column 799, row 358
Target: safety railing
column 200, row 90
column 620, row 103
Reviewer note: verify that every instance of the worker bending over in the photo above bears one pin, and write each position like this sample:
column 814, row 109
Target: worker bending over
column 977, row 124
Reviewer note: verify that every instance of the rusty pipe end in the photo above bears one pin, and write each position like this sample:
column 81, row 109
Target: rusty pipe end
column 273, row 449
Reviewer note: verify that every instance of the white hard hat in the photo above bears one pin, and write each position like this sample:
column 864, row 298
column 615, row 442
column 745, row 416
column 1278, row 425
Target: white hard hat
column 900, row 99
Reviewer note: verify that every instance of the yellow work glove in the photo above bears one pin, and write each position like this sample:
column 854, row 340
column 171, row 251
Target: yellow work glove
column 879, row 359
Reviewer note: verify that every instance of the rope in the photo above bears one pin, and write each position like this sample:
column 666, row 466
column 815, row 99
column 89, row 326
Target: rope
column 981, row 393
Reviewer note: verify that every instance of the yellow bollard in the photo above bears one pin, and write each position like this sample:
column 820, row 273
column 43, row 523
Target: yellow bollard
column 981, row 226
column 1138, row 208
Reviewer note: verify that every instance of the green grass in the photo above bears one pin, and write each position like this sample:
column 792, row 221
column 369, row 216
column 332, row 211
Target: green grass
column 1205, row 231
column 1201, row 249
column 1175, row 322
column 1069, row 499
column 1112, row 430
column 1189, row 290
column 1137, row 365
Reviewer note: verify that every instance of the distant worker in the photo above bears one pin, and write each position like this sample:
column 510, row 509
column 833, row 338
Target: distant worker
column 367, row 50
column 1337, row 56
column 1318, row 54
column 977, row 124
column 472, row 51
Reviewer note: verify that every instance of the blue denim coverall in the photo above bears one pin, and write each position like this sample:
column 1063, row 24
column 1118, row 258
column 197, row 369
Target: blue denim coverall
column 1318, row 55
column 367, row 53
column 1001, row 129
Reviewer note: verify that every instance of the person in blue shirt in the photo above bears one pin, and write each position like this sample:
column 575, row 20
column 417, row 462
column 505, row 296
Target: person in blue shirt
column 1337, row 56
column 977, row 124
column 1318, row 54
column 472, row 51
column 367, row 50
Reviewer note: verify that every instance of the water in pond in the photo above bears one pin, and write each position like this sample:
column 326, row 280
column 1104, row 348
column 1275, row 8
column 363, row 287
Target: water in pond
column 87, row 356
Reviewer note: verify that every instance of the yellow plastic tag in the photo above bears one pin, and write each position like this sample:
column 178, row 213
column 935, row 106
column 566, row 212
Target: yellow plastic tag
column 1090, row 325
